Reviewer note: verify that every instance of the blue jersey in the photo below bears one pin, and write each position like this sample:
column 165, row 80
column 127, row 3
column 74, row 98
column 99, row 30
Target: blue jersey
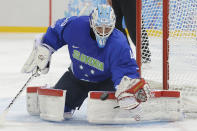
column 89, row 62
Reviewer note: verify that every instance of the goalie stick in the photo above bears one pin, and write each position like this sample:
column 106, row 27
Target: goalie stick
column 3, row 115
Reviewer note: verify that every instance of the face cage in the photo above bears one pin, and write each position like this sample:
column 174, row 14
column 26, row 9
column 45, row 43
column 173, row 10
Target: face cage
column 103, row 30
column 102, row 38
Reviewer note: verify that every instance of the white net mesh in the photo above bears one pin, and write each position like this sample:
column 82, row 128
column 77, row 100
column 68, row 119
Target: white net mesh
column 182, row 44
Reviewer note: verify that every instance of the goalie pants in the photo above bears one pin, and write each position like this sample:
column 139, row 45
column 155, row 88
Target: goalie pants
column 77, row 90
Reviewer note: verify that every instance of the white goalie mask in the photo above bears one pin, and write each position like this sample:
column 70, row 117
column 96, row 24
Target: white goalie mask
column 102, row 21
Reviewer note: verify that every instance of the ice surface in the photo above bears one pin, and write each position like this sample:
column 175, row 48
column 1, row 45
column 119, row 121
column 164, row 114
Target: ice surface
column 14, row 50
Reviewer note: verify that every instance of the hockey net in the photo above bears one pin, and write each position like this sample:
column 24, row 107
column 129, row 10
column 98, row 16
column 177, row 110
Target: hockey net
column 172, row 42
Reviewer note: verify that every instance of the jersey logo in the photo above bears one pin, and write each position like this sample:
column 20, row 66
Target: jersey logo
column 132, row 55
column 76, row 47
column 64, row 22
column 53, row 25
column 88, row 60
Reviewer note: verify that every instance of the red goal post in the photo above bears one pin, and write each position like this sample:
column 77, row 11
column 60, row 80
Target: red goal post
column 165, row 39
column 170, row 20
column 171, row 26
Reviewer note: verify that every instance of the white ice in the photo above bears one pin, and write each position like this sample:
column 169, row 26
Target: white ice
column 14, row 50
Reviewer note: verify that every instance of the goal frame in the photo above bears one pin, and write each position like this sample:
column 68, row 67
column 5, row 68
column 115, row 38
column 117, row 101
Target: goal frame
column 165, row 39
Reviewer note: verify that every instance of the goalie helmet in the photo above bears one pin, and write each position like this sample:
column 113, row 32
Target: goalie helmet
column 102, row 21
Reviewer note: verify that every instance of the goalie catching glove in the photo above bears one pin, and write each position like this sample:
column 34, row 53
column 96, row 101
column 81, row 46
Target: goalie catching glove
column 131, row 92
column 39, row 58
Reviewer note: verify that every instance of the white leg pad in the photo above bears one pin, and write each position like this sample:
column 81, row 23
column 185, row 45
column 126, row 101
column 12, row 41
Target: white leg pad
column 160, row 107
column 52, row 102
column 32, row 101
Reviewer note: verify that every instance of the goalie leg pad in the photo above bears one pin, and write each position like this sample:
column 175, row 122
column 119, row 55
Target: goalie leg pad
column 162, row 106
column 52, row 103
column 108, row 111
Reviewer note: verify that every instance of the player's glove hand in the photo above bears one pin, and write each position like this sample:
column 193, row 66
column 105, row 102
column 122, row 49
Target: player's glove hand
column 131, row 92
column 39, row 58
